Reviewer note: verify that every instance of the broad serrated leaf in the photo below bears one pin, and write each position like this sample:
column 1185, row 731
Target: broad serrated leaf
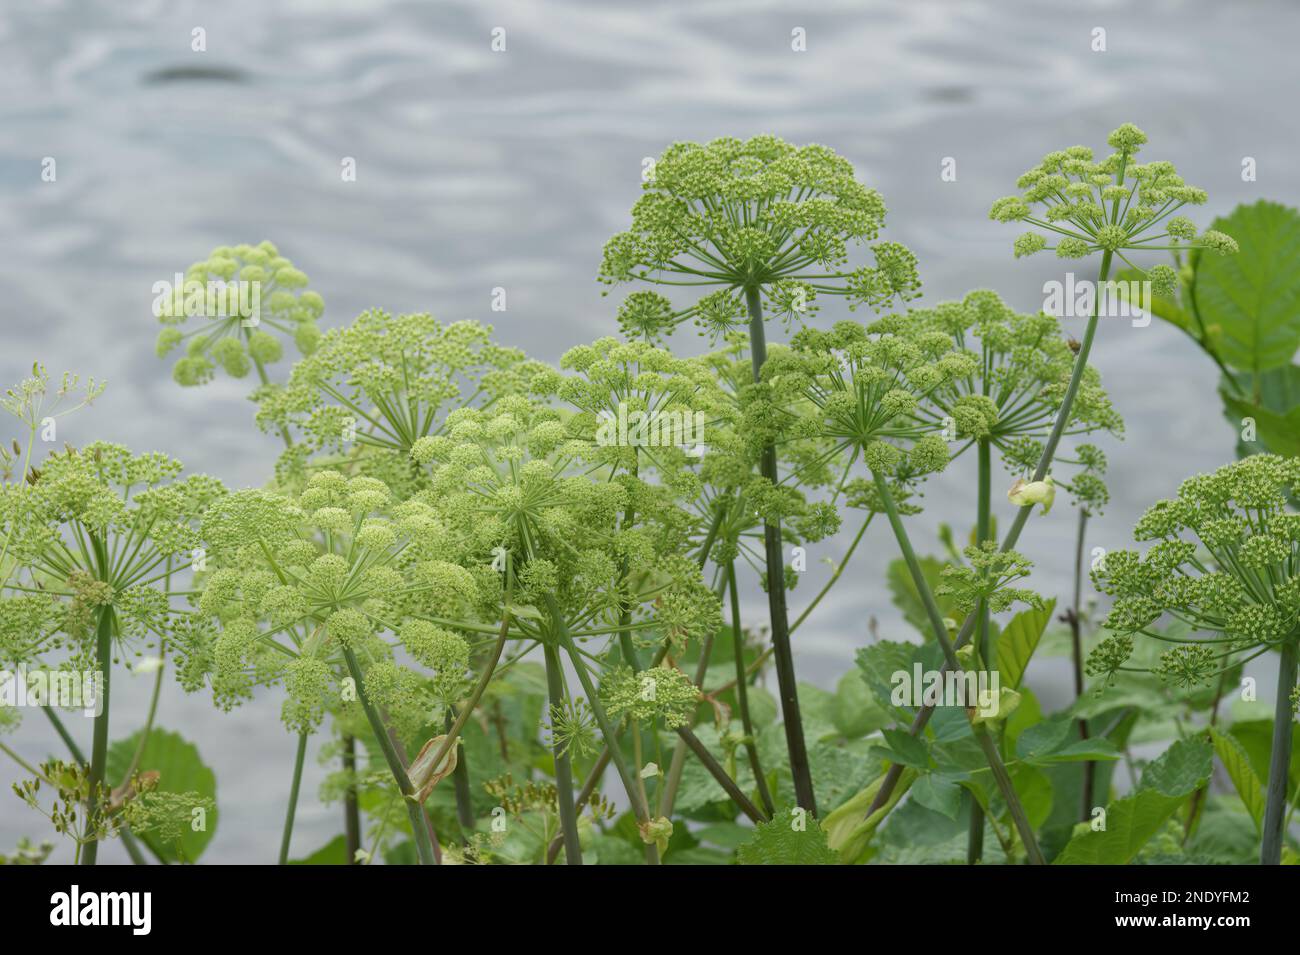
column 1253, row 297
column 1130, row 824
column 787, row 839
column 1235, row 760
column 1018, row 640
column 1181, row 769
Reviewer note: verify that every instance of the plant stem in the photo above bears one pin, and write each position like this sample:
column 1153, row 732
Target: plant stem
column 99, row 744
column 351, row 810
column 742, row 691
column 668, row 796
column 563, row 762
column 1076, row 640
column 775, row 561
column 983, row 531
column 715, row 769
column 1049, row 452
column 588, row 787
column 414, row 811
column 287, row 835
column 981, row 732
column 1279, row 761
column 460, row 778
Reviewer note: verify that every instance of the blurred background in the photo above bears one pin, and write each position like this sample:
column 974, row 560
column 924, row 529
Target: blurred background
column 477, row 169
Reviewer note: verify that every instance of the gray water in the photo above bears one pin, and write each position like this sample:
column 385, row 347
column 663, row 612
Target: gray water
column 478, row 169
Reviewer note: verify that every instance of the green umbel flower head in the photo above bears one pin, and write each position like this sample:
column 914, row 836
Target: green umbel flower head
column 754, row 214
column 1013, row 396
column 1227, row 562
column 95, row 531
column 237, row 298
column 1115, row 205
column 369, row 391
column 515, row 480
column 340, row 565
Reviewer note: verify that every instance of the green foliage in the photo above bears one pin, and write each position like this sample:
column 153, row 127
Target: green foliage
column 787, row 840
column 177, row 818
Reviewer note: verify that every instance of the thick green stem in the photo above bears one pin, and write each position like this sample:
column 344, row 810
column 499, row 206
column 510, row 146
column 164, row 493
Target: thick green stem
column 726, row 782
column 563, row 762
column 414, row 811
column 787, row 685
column 1013, row 535
column 351, row 809
column 983, row 531
column 287, row 836
column 1076, row 641
column 742, row 692
column 99, row 744
column 1279, row 761
column 986, row 743
column 460, row 780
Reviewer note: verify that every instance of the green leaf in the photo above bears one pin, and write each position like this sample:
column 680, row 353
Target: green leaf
column 334, row 852
column 904, row 748
column 1036, row 793
column 1018, row 641
column 854, row 709
column 938, row 792
column 1181, row 769
column 1253, row 297
column 1130, row 823
column 180, row 770
column 1235, row 760
column 1057, row 741
column 1256, row 738
column 1275, row 409
column 787, row 840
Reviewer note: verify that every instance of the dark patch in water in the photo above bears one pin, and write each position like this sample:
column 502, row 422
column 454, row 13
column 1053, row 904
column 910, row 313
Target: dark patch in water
column 949, row 94
column 196, row 74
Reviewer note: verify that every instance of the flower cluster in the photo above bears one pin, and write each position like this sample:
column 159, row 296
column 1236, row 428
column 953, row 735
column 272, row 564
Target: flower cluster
column 757, row 214
column 868, row 390
column 661, row 692
column 988, row 577
column 92, row 532
column 370, row 390
column 237, row 291
column 298, row 579
column 1114, row 205
column 512, row 480
column 1012, row 397
column 1227, row 562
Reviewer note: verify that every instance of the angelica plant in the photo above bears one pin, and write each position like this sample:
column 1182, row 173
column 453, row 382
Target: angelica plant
column 509, row 482
column 306, row 588
column 1227, row 562
column 96, row 540
column 764, row 223
column 1088, row 207
column 871, row 390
